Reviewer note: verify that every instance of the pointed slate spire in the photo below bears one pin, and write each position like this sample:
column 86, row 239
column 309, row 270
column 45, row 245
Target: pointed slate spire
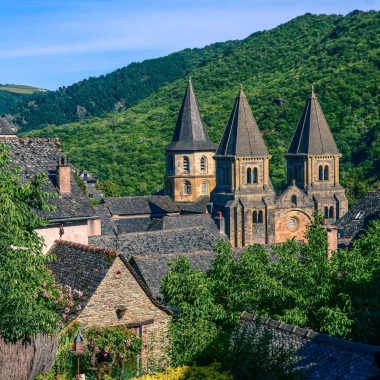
column 242, row 136
column 189, row 133
column 313, row 135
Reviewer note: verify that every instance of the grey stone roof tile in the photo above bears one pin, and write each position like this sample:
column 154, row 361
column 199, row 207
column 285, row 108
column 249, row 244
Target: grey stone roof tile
column 83, row 268
column 359, row 216
column 242, row 136
column 313, row 135
column 153, row 267
column 323, row 357
column 165, row 241
column 36, row 155
column 139, row 205
column 189, row 133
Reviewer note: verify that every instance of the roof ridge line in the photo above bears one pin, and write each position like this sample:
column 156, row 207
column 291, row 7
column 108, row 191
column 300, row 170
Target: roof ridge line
column 316, row 115
column 311, row 334
column 87, row 247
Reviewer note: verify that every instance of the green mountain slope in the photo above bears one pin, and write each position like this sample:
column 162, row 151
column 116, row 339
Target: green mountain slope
column 339, row 55
column 8, row 101
column 115, row 91
column 13, row 94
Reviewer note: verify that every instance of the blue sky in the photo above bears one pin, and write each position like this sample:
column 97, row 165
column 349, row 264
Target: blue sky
column 53, row 43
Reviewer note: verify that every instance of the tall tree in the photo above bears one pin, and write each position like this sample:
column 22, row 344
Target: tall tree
column 27, row 289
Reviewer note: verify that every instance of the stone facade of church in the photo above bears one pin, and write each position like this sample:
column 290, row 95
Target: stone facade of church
column 244, row 203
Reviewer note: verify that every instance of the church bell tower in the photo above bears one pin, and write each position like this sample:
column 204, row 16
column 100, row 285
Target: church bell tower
column 190, row 167
column 313, row 161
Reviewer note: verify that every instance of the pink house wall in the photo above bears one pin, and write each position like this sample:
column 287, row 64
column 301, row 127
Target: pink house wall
column 77, row 234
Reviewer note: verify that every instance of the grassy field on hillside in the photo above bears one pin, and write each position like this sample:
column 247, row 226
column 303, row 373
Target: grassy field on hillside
column 20, row 89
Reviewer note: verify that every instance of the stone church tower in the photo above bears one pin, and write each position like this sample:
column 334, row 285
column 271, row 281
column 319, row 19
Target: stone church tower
column 190, row 167
column 313, row 162
column 244, row 193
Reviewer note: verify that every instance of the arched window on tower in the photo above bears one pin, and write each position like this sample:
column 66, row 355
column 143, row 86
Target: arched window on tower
column 255, row 175
column 326, row 212
column 186, row 188
column 331, row 212
column 186, row 164
column 326, row 173
column 321, row 174
column 294, row 200
column 254, row 217
column 260, row 218
column 170, row 163
column 205, row 189
column 249, row 175
column 204, row 164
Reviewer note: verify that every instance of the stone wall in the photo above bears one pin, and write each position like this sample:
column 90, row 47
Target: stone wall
column 174, row 180
column 291, row 223
column 119, row 287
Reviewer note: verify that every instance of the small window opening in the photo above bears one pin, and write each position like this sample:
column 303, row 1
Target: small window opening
column 186, row 164
column 326, row 173
column 249, row 175
column 186, row 188
column 261, row 217
column 204, row 164
column 255, row 175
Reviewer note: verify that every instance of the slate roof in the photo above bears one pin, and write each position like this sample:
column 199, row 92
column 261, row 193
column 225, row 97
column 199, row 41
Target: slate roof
column 80, row 267
column 6, row 129
column 153, row 267
column 189, row 133
column 181, row 240
column 357, row 219
column 36, row 155
column 190, row 220
column 324, row 357
column 152, row 204
column 313, row 135
column 83, row 267
column 242, row 136
column 197, row 207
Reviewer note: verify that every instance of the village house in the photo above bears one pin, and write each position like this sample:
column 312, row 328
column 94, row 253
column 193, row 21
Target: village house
column 112, row 294
column 73, row 217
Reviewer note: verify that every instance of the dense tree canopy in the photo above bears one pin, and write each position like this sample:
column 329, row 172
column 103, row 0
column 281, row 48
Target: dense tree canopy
column 28, row 293
column 339, row 55
column 295, row 283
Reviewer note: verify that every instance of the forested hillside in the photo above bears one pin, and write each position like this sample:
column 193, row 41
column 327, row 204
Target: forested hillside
column 112, row 92
column 339, row 55
column 8, row 101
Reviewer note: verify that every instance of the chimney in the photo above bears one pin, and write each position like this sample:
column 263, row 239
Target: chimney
column 63, row 176
column 332, row 239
